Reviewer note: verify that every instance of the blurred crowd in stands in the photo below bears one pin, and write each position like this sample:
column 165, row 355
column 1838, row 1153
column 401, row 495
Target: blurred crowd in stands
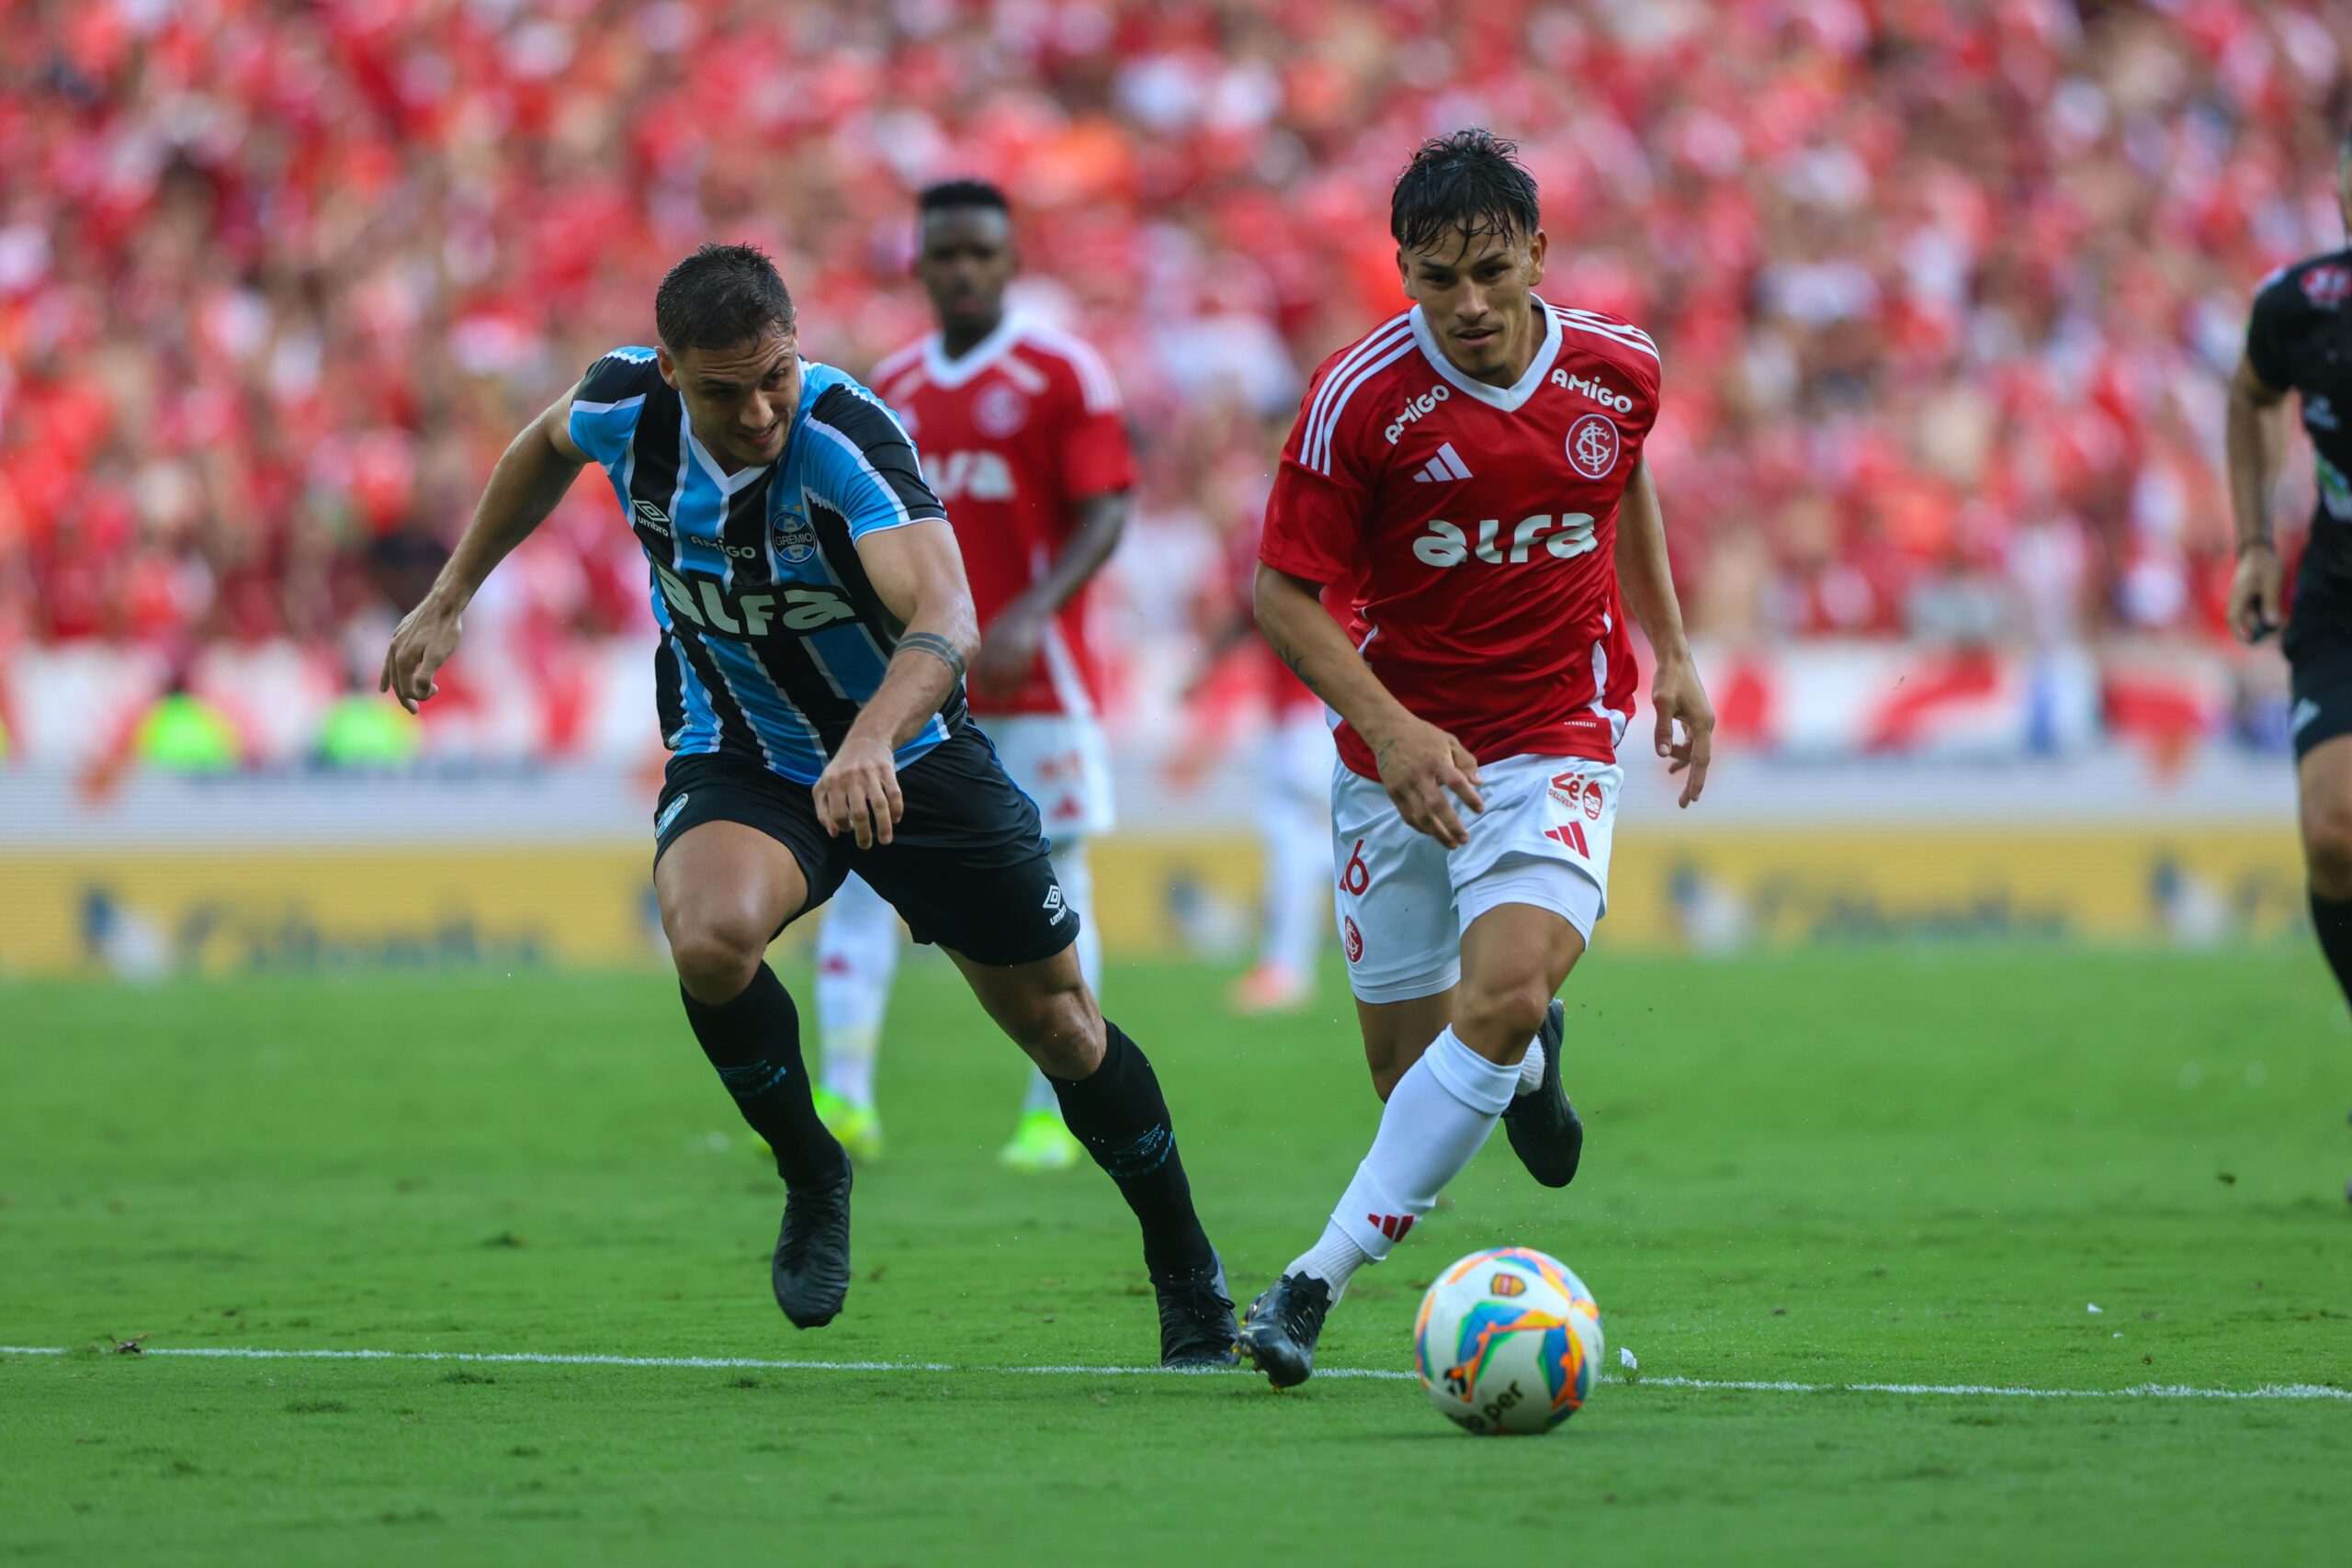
column 1948, row 292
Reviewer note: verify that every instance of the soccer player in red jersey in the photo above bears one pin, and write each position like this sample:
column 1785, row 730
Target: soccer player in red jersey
column 1471, row 474
column 1025, row 439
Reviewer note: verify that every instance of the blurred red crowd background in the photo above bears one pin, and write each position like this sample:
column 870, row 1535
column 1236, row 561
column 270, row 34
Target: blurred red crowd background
column 1947, row 292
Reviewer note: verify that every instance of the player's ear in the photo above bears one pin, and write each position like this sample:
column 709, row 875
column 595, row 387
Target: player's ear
column 1405, row 275
column 1536, row 245
column 667, row 365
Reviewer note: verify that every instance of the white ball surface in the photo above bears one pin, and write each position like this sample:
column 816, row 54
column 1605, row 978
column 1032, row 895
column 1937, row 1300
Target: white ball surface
column 1507, row 1341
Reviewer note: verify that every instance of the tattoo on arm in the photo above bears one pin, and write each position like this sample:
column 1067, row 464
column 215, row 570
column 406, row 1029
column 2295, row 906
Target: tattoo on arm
column 1287, row 654
column 938, row 646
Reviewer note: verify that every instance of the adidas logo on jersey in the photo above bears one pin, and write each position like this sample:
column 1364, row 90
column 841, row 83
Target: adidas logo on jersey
column 1604, row 396
column 1445, row 467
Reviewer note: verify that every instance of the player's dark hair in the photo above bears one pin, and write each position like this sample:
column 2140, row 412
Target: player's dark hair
column 949, row 194
column 719, row 297
column 1470, row 184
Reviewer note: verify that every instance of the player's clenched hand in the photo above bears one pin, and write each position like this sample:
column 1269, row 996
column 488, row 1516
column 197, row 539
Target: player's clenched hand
column 422, row 643
column 1008, row 652
column 858, row 792
column 1680, row 699
column 1419, row 765
column 2255, row 593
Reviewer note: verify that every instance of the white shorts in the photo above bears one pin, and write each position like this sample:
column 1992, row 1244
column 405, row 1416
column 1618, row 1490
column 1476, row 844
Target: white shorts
column 1404, row 899
column 1062, row 762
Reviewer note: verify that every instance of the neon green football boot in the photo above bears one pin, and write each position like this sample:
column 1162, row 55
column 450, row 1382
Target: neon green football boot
column 1040, row 1143
column 858, row 1127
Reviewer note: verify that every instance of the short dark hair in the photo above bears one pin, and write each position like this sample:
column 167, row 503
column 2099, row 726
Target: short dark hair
column 961, row 193
column 1470, row 183
column 721, row 296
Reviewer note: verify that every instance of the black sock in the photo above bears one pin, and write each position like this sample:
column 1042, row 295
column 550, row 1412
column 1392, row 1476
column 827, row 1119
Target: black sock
column 2332, row 918
column 755, row 1042
column 1118, row 1113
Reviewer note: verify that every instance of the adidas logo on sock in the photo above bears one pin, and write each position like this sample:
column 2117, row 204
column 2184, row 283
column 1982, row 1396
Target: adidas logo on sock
column 1443, row 468
column 1393, row 1226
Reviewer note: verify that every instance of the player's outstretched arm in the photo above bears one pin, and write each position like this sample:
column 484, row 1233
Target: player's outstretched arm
column 539, row 465
column 2257, row 439
column 919, row 573
column 1648, row 582
column 1010, row 647
column 1419, row 765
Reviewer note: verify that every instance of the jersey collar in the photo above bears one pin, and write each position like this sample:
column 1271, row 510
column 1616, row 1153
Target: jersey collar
column 949, row 374
column 715, row 471
column 1507, row 398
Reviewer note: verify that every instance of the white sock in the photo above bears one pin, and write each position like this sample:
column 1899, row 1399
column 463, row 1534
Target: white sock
column 857, row 956
column 1437, row 1117
column 1076, row 875
column 1294, row 826
column 1531, row 1071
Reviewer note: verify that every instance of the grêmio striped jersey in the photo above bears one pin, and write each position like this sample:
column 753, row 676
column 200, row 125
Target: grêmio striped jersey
column 771, row 636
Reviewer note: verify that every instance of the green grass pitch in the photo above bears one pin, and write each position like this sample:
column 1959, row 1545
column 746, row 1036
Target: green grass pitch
column 1896, row 1167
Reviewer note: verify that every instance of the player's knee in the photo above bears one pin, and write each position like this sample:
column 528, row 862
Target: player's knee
column 1060, row 1029
column 717, row 952
column 1498, row 1018
column 2327, row 847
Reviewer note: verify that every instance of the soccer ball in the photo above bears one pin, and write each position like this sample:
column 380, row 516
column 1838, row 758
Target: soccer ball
column 1507, row 1341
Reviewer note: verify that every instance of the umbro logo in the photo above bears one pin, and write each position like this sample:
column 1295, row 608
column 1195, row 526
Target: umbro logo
column 2305, row 711
column 2320, row 414
column 1055, row 908
column 655, row 518
column 1443, row 468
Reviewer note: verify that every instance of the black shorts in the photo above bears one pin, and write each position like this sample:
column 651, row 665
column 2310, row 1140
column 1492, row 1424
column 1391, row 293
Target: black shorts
column 2318, row 644
column 966, row 867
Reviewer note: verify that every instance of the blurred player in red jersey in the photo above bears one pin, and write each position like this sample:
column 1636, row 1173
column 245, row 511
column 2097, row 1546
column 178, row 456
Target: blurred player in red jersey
column 1292, row 772
column 1024, row 438
column 1470, row 474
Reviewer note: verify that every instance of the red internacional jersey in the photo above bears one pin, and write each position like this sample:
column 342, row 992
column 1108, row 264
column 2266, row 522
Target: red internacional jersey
column 1474, row 529
column 1012, row 435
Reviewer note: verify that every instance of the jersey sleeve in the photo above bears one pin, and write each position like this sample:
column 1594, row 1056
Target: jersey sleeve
column 1093, row 452
column 1321, row 495
column 2267, row 331
column 608, row 402
column 861, row 463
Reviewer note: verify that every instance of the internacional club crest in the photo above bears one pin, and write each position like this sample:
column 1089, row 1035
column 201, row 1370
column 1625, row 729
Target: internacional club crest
column 1000, row 411
column 1592, row 446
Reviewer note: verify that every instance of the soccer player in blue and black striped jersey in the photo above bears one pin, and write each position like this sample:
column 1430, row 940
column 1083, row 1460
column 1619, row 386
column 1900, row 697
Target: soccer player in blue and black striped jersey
column 815, row 625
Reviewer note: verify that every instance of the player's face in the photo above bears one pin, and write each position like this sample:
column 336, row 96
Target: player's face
column 965, row 264
column 741, row 399
column 1478, row 296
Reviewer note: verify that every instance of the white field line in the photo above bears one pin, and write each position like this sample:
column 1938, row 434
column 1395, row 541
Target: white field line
column 1726, row 1385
